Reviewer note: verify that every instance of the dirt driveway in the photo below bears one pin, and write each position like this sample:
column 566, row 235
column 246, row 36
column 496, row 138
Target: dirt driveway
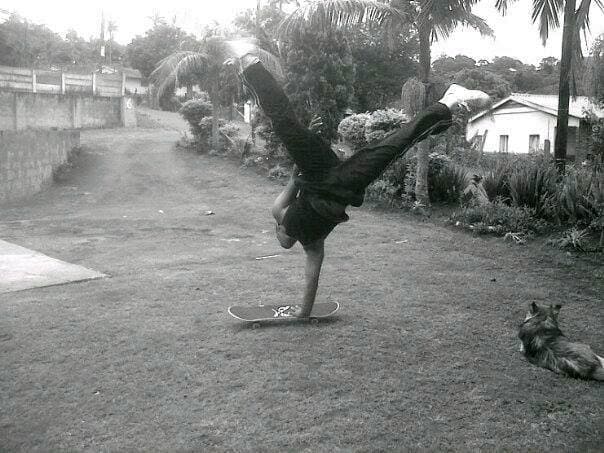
column 422, row 356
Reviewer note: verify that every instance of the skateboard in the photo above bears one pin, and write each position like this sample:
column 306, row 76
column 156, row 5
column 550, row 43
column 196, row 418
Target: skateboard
column 257, row 314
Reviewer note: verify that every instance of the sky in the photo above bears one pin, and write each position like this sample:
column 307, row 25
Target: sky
column 515, row 36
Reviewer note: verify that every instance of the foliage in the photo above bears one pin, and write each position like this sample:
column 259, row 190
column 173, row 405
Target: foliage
column 194, row 111
column 381, row 122
column 320, row 75
column 352, row 129
column 499, row 218
column 145, row 52
column 533, row 183
column 581, row 196
column 572, row 238
column 31, row 45
column 595, row 71
column 382, row 64
column 482, row 79
column 447, row 183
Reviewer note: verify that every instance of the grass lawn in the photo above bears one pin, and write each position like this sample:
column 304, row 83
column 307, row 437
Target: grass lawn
column 422, row 355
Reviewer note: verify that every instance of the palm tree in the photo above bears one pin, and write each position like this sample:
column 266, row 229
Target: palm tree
column 547, row 13
column 206, row 67
column 431, row 19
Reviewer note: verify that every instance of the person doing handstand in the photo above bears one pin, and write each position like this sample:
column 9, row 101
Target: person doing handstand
column 314, row 200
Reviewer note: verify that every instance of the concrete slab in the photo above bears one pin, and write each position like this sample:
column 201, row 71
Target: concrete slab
column 21, row 268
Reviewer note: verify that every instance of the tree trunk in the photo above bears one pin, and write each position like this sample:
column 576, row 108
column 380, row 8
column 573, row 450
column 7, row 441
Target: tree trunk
column 423, row 149
column 564, row 86
column 215, row 130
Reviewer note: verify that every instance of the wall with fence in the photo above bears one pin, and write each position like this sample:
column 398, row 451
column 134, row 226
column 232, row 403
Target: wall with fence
column 29, row 158
column 57, row 82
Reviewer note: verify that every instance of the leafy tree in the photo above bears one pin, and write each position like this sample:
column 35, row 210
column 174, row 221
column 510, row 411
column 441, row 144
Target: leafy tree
column 163, row 39
column 382, row 65
column 482, row 79
column 447, row 66
column 595, row 72
column 25, row 44
column 320, row 75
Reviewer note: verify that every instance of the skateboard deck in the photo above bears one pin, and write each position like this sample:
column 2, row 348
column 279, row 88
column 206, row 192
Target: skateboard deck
column 260, row 313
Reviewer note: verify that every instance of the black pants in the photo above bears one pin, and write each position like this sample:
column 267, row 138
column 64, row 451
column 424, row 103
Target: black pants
column 314, row 156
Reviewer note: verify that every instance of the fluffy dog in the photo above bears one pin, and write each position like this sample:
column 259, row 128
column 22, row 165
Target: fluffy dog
column 544, row 345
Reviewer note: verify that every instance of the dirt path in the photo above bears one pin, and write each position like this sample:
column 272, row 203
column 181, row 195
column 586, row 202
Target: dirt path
column 423, row 354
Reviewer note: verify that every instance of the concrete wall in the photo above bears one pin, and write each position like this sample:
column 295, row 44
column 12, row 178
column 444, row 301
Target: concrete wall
column 518, row 123
column 28, row 159
column 22, row 110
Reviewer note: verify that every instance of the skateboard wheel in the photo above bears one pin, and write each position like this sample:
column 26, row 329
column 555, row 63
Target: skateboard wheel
column 314, row 321
column 256, row 325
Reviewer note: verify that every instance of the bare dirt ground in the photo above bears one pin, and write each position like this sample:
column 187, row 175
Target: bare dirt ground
column 423, row 354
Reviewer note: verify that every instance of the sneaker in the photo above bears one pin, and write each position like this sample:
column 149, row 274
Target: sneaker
column 460, row 96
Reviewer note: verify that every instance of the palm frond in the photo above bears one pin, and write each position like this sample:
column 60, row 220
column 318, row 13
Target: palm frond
column 177, row 64
column 547, row 14
column 443, row 29
column 338, row 14
column 502, row 5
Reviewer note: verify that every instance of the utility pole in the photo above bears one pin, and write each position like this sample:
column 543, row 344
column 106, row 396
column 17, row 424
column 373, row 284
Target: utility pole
column 102, row 37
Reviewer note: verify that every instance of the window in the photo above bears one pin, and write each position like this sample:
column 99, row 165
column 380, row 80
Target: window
column 533, row 143
column 503, row 143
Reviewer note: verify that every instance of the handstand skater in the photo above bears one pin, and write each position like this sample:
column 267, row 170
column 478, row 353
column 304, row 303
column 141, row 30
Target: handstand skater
column 321, row 186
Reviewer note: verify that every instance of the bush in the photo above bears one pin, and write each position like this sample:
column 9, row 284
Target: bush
column 495, row 180
column 381, row 122
column 581, row 196
column 499, row 218
column 448, row 183
column 363, row 128
column 198, row 113
column 534, row 184
column 352, row 130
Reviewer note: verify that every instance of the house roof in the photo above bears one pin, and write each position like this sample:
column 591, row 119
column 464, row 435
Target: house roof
column 547, row 103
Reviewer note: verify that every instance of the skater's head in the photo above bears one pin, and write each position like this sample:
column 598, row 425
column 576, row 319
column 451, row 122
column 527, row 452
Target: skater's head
column 286, row 241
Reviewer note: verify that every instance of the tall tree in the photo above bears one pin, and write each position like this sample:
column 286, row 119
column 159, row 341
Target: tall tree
column 431, row 20
column 575, row 20
column 161, row 40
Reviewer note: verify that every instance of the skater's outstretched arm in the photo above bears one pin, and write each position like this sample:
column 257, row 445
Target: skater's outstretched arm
column 315, row 253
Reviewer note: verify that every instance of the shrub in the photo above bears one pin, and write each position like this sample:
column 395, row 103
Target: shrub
column 381, row 122
column 363, row 128
column 448, row 183
column 383, row 190
column 194, row 112
column 499, row 218
column 534, row 184
column 495, row 180
column 352, row 129
column 581, row 196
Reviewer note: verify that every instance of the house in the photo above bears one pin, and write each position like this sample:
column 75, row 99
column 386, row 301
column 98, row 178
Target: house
column 526, row 123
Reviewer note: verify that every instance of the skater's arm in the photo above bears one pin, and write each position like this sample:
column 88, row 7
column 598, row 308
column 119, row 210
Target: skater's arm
column 315, row 253
column 285, row 198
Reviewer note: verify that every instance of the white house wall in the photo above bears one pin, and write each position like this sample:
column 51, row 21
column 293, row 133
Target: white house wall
column 518, row 122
